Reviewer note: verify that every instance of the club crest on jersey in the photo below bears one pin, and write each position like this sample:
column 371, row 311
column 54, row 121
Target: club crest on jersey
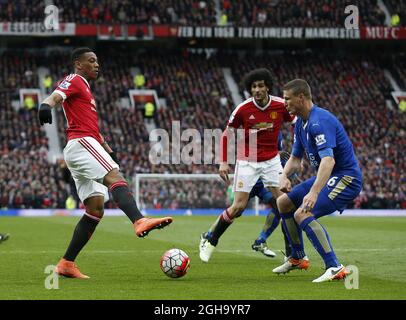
column 320, row 139
column 273, row 115
column 240, row 184
column 65, row 85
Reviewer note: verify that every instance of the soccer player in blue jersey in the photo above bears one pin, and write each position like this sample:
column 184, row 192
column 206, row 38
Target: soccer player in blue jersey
column 338, row 181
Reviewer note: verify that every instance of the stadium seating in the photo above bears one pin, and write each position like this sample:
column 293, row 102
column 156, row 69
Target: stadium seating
column 281, row 13
column 398, row 69
column 299, row 13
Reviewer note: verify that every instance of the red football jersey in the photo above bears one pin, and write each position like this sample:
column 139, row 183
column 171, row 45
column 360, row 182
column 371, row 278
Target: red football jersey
column 79, row 107
column 265, row 122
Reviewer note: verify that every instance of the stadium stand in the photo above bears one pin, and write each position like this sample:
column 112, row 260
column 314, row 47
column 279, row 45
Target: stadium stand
column 299, row 13
column 292, row 13
column 398, row 69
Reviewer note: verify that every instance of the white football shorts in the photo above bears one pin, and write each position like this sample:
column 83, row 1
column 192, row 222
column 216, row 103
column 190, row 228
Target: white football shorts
column 88, row 163
column 247, row 174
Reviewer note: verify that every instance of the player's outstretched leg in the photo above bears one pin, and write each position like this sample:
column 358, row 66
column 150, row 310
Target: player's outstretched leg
column 271, row 222
column 144, row 225
column 318, row 236
column 126, row 202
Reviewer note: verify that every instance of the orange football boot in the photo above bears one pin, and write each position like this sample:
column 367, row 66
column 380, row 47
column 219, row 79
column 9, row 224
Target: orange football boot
column 69, row 269
column 144, row 225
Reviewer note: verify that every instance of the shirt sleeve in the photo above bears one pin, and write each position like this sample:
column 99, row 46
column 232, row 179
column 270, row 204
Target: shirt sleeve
column 323, row 133
column 235, row 120
column 297, row 148
column 67, row 88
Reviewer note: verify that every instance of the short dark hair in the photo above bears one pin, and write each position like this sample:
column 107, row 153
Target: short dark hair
column 257, row 75
column 77, row 53
column 298, row 86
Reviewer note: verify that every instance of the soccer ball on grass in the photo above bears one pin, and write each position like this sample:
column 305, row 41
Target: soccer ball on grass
column 175, row 263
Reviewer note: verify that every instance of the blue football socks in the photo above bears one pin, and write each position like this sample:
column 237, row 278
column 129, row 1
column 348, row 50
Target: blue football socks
column 294, row 235
column 319, row 238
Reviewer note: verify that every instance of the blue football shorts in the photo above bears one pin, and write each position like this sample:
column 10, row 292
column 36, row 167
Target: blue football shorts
column 338, row 192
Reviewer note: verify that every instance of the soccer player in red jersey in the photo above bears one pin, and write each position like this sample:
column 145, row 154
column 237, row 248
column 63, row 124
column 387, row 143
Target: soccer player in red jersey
column 91, row 161
column 262, row 115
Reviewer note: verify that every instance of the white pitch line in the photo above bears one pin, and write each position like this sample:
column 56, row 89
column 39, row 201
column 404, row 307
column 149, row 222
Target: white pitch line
column 160, row 251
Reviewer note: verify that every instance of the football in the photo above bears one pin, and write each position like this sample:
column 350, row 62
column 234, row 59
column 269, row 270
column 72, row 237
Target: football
column 175, row 263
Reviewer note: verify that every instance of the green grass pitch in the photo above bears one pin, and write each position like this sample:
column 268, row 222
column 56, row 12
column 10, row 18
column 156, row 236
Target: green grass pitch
column 122, row 266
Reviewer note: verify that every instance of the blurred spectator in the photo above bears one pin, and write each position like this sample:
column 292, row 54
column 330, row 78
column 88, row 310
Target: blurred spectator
column 139, row 81
column 149, row 111
column 397, row 10
column 29, row 102
column 47, row 83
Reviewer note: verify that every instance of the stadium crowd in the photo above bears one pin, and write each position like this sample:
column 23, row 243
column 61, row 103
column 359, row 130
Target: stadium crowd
column 300, row 13
column 292, row 13
column 196, row 94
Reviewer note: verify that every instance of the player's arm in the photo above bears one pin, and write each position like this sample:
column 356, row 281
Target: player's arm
column 109, row 150
column 291, row 167
column 233, row 122
column 325, row 140
column 44, row 110
column 323, row 174
column 224, row 167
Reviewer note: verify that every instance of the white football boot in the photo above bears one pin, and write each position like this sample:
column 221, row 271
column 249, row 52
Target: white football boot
column 333, row 273
column 292, row 264
column 205, row 249
column 263, row 249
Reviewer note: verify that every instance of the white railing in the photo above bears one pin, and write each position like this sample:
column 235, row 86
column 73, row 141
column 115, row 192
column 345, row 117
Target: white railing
column 179, row 176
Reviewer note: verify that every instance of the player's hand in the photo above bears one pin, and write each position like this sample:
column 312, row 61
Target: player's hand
column 309, row 201
column 284, row 183
column 223, row 171
column 44, row 114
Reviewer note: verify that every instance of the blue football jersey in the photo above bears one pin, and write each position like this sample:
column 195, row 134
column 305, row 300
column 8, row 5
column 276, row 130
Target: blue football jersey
column 320, row 134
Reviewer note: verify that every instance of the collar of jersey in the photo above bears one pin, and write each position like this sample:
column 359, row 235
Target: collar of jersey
column 83, row 79
column 265, row 106
column 304, row 124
